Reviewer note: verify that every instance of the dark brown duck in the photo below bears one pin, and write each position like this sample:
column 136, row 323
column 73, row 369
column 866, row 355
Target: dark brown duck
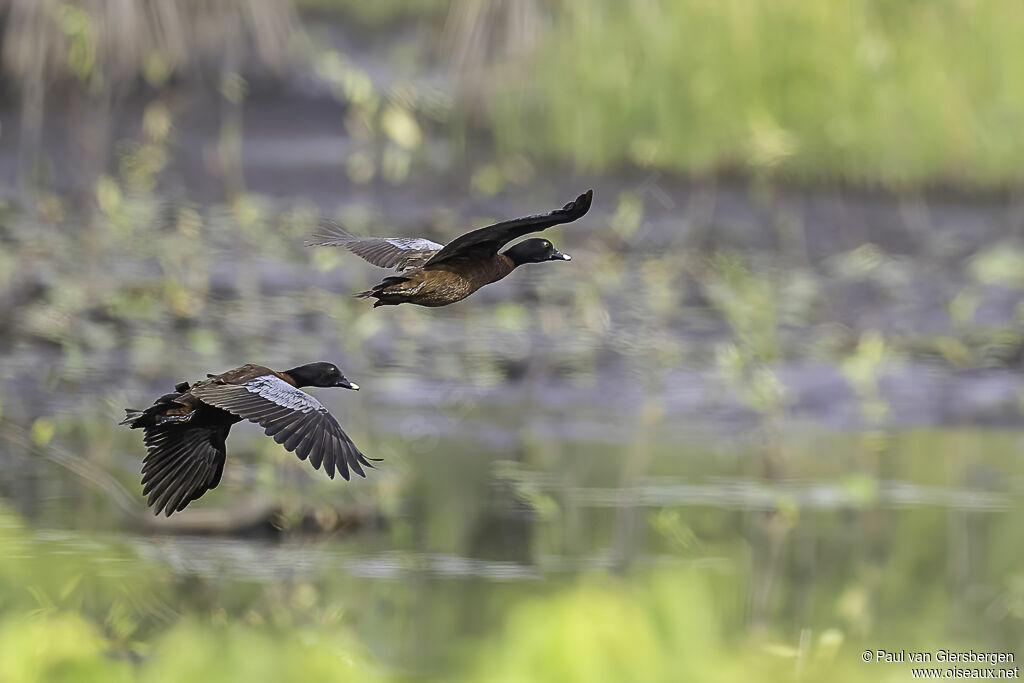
column 185, row 431
column 436, row 275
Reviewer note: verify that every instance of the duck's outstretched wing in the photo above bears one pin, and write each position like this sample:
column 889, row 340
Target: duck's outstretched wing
column 292, row 417
column 486, row 242
column 400, row 253
column 182, row 463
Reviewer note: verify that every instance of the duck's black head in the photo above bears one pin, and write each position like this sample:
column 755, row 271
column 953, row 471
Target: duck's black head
column 320, row 375
column 535, row 250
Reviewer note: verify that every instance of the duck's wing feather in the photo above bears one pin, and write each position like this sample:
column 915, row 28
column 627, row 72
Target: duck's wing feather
column 486, row 242
column 182, row 463
column 295, row 419
column 399, row 253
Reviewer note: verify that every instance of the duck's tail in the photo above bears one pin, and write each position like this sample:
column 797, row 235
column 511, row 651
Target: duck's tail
column 379, row 295
column 382, row 291
column 164, row 411
column 131, row 417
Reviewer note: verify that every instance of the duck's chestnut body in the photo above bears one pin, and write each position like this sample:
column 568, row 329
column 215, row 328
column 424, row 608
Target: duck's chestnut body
column 435, row 275
column 442, row 284
column 185, row 431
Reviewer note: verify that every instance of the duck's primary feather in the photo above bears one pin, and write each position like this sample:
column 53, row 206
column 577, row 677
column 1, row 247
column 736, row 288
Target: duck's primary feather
column 182, row 463
column 399, row 253
column 294, row 419
column 485, row 242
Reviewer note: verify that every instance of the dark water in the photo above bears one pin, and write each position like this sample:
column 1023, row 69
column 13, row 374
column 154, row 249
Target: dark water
column 910, row 533
column 560, row 424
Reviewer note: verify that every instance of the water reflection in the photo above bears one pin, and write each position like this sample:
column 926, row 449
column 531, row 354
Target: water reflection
column 471, row 536
column 759, row 495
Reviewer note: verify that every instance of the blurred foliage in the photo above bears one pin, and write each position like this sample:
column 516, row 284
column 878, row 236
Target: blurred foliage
column 386, row 127
column 105, row 44
column 749, row 305
column 999, row 264
column 196, row 652
column 662, row 628
column 860, row 90
column 56, row 647
column 112, row 610
column 103, row 614
column 380, row 11
column 863, row 369
column 868, row 91
column 61, row 646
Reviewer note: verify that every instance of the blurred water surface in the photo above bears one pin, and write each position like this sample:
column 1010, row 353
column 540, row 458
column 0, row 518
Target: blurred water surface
column 913, row 535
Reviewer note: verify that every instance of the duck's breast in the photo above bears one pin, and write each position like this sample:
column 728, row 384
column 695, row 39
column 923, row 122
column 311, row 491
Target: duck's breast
column 455, row 281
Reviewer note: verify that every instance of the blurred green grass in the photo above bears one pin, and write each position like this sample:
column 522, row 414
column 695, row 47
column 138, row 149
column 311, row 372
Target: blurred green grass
column 870, row 92
column 105, row 614
column 865, row 91
column 380, row 11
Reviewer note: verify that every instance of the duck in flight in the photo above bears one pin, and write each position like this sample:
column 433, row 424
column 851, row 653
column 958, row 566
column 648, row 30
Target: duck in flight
column 438, row 275
column 185, row 430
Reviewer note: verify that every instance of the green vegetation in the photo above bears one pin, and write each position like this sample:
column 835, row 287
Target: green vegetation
column 65, row 648
column 380, row 12
column 868, row 91
column 871, row 92
column 663, row 628
column 109, row 610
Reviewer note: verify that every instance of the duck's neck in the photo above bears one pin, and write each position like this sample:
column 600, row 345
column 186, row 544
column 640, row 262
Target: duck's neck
column 504, row 264
column 512, row 258
column 300, row 376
